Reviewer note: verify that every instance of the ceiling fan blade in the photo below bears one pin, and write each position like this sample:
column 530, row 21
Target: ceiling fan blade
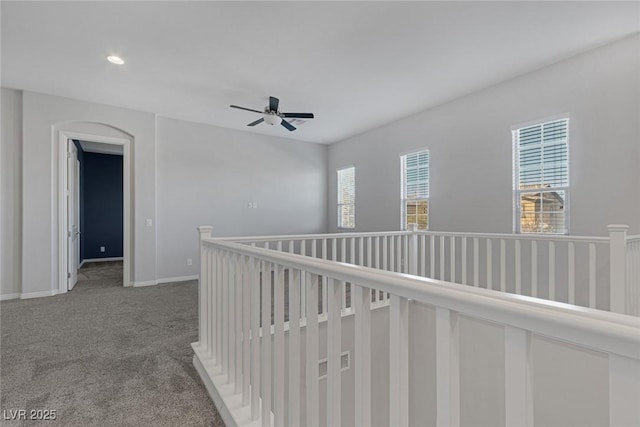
column 273, row 103
column 246, row 109
column 298, row 115
column 287, row 125
column 260, row 120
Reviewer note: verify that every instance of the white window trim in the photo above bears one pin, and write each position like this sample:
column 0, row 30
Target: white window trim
column 403, row 201
column 338, row 204
column 516, row 175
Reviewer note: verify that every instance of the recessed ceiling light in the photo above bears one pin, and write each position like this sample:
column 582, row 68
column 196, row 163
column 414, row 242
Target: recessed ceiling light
column 115, row 59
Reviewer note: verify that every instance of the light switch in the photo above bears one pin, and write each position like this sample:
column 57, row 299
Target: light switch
column 148, row 222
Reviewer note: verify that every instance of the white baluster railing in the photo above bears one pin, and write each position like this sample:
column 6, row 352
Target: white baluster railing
column 244, row 336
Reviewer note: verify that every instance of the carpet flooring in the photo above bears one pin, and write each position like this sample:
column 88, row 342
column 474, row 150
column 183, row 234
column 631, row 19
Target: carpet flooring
column 104, row 355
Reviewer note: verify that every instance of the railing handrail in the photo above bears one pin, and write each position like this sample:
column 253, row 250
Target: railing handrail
column 507, row 236
column 312, row 236
column 635, row 237
column 603, row 331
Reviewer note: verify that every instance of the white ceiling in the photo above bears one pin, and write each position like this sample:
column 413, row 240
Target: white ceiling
column 356, row 65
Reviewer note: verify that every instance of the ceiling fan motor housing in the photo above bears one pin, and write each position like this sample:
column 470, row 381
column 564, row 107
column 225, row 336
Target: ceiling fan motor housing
column 272, row 118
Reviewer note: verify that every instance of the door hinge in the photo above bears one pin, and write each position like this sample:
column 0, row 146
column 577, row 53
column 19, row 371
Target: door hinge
column 68, row 234
column 68, row 275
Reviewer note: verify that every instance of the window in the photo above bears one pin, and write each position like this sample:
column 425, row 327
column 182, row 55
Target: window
column 347, row 197
column 541, row 177
column 415, row 189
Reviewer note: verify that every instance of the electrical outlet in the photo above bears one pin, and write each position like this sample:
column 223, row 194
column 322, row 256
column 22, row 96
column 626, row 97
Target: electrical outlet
column 255, row 205
column 250, row 205
column 102, row 248
column 148, row 222
column 189, row 261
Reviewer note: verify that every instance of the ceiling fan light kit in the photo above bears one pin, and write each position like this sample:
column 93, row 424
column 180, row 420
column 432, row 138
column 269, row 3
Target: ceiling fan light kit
column 273, row 116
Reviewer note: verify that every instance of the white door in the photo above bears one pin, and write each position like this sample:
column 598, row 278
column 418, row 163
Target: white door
column 73, row 215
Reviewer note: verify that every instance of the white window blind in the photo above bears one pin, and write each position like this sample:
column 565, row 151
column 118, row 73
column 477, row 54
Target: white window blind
column 415, row 189
column 347, row 197
column 541, row 177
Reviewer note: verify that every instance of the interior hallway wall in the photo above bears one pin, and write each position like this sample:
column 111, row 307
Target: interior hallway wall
column 42, row 116
column 471, row 149
column 208, row 176
column 11, row 193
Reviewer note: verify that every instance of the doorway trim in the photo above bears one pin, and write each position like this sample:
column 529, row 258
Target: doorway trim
column 63, row 137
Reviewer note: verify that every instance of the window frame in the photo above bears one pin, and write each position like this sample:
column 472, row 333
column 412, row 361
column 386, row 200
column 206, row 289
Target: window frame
column 517, row 192
column 403, row 185
column 339, row 205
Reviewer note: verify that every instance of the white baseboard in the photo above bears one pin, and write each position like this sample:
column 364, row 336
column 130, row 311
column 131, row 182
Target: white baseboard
column 165, row 280
column 30, row 295
column 177, row 279
column 101, row 260
column 9, row 296
column 145, row 283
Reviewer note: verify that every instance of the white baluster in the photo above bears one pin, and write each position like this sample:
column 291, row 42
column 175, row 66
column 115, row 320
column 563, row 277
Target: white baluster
column 476, row 262
column 452, row 260
column 362, row 356
column 572, row 273
column 231, row 344
column 360, row 251
column 489, row 265
column 592, row 275
column 617, row 267
column 266, row 345
column 432, row 257
column 412, row 253
column 405, row 254
column 225, row 313
column 246, row 327
column 303, row 289
column 517, row 390
column 399, row 254
column 204, row 288
column 423, row 256
column 442, row 259
column 534, row 268
column 219, row 303
column 238, row 323
column 343, row 258
column 464, row 260
column 312, row 386
column 399, row 361
column 552, row 270
column 447, row 369
column 294, row 348
column 334, row 337
column 392, row 253
column 369, row 251
column 503, row 265
column 518, row 257
column 278, row 326
column 324, row 278
column 255, row 338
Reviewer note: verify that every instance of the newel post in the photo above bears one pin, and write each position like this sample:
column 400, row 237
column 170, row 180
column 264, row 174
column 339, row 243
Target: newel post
column 618, row 266
column 204, row 232
column 413, row 249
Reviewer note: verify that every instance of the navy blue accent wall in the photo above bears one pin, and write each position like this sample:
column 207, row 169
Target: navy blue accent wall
column 101, row 205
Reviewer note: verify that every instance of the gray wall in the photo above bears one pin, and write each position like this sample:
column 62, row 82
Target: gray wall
column 10, row 186
column 209, row 175
column 471, row 149
column 183, row 175
column 41, row 114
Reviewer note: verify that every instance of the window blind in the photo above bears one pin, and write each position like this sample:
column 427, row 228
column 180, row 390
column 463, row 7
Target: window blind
column 415, row 189
column 542, row 174
column 346, row 197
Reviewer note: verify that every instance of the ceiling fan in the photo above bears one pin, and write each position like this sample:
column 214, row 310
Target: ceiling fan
column 273, row 116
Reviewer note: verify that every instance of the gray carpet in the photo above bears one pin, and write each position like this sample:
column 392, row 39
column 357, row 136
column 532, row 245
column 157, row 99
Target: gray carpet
column 104, row 355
